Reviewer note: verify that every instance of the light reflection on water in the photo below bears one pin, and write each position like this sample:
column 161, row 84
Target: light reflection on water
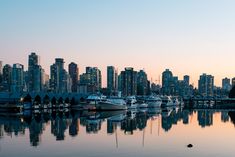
column 152, row 132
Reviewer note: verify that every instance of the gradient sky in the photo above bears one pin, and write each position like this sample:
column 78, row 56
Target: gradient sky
column 187, row 36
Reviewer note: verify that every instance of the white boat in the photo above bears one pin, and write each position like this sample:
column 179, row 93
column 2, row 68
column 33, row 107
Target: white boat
column 97, row 102
column 167, row 101
column 153, row 101
column 95, row 99
column 131, row 102
column 142, row 105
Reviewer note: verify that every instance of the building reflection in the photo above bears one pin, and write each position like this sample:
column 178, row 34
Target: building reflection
column 205, row 117
column 129, row 122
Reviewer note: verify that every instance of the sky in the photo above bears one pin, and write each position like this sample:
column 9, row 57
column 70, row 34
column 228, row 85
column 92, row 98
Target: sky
column 186, row 36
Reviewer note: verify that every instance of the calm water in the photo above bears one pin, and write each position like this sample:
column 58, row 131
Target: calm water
column 105, row 134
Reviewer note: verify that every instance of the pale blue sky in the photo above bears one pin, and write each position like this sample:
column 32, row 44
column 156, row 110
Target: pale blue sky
column 187, row 36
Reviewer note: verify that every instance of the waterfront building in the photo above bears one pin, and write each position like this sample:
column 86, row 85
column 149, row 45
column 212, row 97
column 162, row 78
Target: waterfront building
column 17, row 76
column 226, row 84
column 35, row 73
column 1, row 85
column 60, row 80
column 168, row 86
column 142, row 83
column 186, row 79
column 95, row 77
column 233, row 81
column 128, row 82
column 74, row 73
column 90, row 82
column 112, row 80
column 6, row 78
column 1, row 68
column 206, row 85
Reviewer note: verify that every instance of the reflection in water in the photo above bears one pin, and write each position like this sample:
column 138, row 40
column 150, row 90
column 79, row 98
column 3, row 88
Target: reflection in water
column 128, row 121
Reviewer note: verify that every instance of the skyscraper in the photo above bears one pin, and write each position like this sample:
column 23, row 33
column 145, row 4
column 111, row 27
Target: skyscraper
column 233, row 82
column 226, row 84
column 60, row 80
column 35, row 73
column 6, row 78
column 206, row 85
column 142, row 83
column 167, row 82
column 1, row 86
column 186, row 79
column 0, row 67
column 128, row 82
column 111, row 79
column 17, row 83
column 73, row 72
column 95, row 77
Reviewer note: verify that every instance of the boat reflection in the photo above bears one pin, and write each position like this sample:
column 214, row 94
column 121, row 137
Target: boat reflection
column 128, row 122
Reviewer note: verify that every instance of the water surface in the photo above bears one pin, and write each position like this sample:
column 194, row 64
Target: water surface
column 152, row 132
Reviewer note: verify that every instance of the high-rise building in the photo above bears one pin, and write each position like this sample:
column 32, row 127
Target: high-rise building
column 226, row 84
column 206, row 85
column 186, row 79
column 1, row 80
column 74, row 73
column 95, row 77
column 142, row 83
column 90, row 82
column 0, row 67
column 6, row 78
column 60, row 81
column 233, row 82
column 128, row 82
column 35, row 73
column 17, row 83
column 111, row 79
column 167, row 82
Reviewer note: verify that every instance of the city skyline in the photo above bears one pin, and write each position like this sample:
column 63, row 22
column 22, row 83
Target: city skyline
column 118, row 71
column 188, row 37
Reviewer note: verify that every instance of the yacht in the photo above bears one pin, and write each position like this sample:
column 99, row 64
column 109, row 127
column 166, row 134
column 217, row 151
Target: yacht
column 142, row 105
column 131, row 102
column 95, row 99
column 153, row 101
column 167, row 101
column 100, row 102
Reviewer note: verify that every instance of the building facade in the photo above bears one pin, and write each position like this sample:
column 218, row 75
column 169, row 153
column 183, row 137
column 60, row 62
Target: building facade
column 206, row 85
column 17, row 83
column 128, row 82
column 74, row 73
column 112, row 80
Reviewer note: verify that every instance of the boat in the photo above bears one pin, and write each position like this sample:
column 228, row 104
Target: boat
column 167, row 101
column 131, row 102
column 153, row 101
column 95, row 99
column 142, row 105
column 100, row 102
